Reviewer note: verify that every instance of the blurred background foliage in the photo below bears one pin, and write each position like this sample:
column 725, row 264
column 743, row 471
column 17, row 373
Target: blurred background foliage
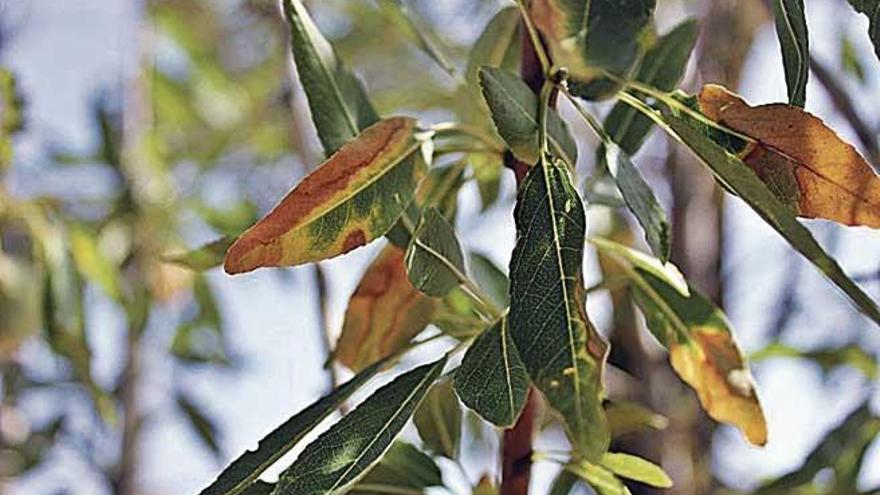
column 208, row 130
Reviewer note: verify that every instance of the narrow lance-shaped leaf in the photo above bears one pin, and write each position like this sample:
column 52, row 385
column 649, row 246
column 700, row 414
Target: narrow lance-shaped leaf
column 560, row 348
column 354, row 197
column 791, row 29
column 871, row 9
column 434, row 260
column 828, row 358
column 497, row 46
column 800, row 158
column 337, row 458
column 492, row 380
column 200, row 422
column 204, row 257
column 384, row 313
column 244, row 470
column 600, row 479
column 635, row 468
column 699, row 338
column 738, row 177
column 661, row 67
column 438, row 420
column 339, row 104
column 491, row 279
column 417, row 31
column 514, row 109
column 403, row 467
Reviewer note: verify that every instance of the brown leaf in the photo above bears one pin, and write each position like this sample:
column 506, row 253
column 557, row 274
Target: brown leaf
column 384, row 312
column 800, row 158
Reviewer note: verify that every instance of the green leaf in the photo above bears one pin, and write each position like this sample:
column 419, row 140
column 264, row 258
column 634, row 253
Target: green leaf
column 200, row 422
column 640, row 199
column 600, row 479
column 564, row 483
column 338, row 457
column 259, row 487
column 339, row 104
column 560, row 348
column 739, row 178
column 871, row 9
column 492, row 379
column 842, row 449
column 662, row 67
column 635, row 468
column 699, row 338
column 514, row 109
column 92, row 263
column 630, row 417
column 402, row 468
column 416, row 30
column 203, row 258
column 491, row 279
column 438, row 420
column 497, row 46
column 791, row 29
column 244, row 470
column 827, row 358
column 434, row 260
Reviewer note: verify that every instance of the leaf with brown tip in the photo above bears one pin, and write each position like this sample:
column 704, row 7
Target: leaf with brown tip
column 384, row 312
column 803, row 161
column 352, row 198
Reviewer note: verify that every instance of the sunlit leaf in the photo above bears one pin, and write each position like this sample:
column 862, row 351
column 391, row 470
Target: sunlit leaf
column 402, row 468
column 338, row 457
column 629, row 417
column 91, row 261
column 514, row 110
column 438, row 420
column 492, row 380
column 339, row 104
column 791, row 29
column 699, row 339
column 354, row 197
column 203, row 258
column 871, row 9
column 560, row 348
column 244, row 470
column 600, row 479
column 434, row 259
column 384, row 313
column 635, row 468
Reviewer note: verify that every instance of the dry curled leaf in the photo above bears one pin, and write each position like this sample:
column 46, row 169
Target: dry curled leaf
column 354, row 197
column 803, row 161
column 384, row 312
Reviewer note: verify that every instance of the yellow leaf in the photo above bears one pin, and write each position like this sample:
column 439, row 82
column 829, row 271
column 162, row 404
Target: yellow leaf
column 349, row 200
column 384, row 312
column 711, row 363
column 803, row 161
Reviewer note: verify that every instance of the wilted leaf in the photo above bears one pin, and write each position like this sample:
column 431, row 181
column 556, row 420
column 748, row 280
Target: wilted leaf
column 791, row 29
column 492, row 380
column 560, row 348
column 204, row 257
column 354, row 197
column 514, row 109
column 384, row 313
column 438, row 420
column 871, row 9
column 635, row 468
column 403, row 467
column 337, row 458
column 801, row 159
column 592, row 36
column 339, row 104
column 699, row 339
column 497, row 46
column 434, row 260
column 244, row 470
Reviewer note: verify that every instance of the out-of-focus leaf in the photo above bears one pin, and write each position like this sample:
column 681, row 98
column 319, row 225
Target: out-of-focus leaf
column 600, row 479
column 11, row 117
column 200, row 339
column 205, row 257
column 827, row 358
column 564, row 483
column 662, row 67
column 871, row 9
column 562, row 351
column 491, row 279
column 336, row 459
column 699, row 339
column 492, row 380
column 485, row 487
column 458, row 316
column 434, row 259
column 231, row 220
column 354, row 197
column 21, row 295
column 849, row 60
column 803, row 161
column 592, row 36
column 416, row 30
column 339, row 104
column 791, row 29
column 738, row 177
column 402, row 468
column 514, row 109
column 629, row 417
column 635, row 468
column 842, row 449
column 497, row 46
column 438, row 420
column 384, row 313
column 488, row 169
column 91, row 262
column 200, row 422
column 244, row 470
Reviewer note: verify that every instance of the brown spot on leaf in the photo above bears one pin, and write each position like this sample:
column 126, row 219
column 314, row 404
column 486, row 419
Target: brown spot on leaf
column 354, row 239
